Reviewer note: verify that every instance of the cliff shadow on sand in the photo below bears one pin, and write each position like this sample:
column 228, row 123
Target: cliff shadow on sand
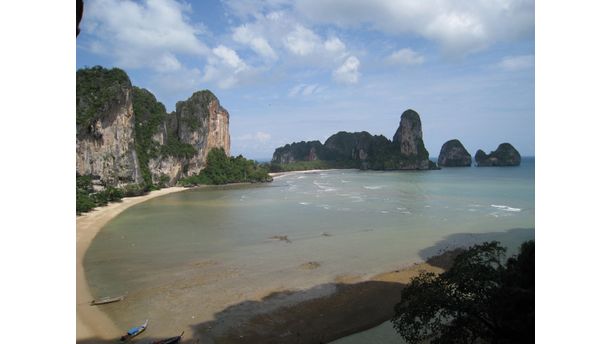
column 350, row 308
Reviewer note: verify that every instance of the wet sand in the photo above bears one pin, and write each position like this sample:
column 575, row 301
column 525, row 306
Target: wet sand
column 354, row 305
column 91, row 322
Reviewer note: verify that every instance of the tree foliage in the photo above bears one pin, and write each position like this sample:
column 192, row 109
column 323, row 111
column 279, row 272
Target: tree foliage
column 221, row 169
column 87, row 198
column 97, row 89
column 480, row 298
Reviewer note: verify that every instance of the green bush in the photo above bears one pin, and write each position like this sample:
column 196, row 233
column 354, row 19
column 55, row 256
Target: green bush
column 84, row 203
column 133, row 190
column 221, row 169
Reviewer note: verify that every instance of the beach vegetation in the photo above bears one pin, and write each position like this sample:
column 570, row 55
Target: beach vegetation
column 222, row 169
column 481, row 298
column 87, row 198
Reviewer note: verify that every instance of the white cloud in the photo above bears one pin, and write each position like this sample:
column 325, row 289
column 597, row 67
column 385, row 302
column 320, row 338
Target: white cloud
column 458, row 26
column 229, row 58
column 262, row 137
column 302, row 41
column 167, row 62
column 226, row 68
column 148, row 34
column 259, row 136
column 334, row 45
column 348, row 72
column 245, row 35
column 514, row 63
column 405, row 56
column 305, row 89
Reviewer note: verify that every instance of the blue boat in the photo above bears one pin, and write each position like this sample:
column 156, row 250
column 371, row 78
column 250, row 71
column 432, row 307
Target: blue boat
column 134, row 331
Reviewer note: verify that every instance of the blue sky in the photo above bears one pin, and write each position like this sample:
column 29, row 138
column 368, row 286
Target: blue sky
column 302, row 70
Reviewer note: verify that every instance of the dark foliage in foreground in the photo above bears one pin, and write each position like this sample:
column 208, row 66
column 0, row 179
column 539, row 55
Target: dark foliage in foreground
column 479, row 299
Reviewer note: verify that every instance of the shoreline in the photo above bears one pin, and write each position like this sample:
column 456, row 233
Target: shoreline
column 91, row 322
column 275, row 175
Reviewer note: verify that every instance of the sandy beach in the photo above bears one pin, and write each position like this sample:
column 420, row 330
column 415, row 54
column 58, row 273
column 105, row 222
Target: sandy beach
column 91, row 322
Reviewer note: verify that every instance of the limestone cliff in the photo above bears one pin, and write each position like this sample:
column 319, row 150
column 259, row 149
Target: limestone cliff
column 124, row 135
column 349, row 146
column 105, row 127
column 409, row 136
column 453, row 154
column 298, row 151
column 204, row 124
column 504, row 155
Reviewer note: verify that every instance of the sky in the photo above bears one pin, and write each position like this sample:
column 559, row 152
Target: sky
column 303, row 70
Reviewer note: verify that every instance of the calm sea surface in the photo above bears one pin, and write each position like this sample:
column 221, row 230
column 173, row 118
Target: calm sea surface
column 184, row 257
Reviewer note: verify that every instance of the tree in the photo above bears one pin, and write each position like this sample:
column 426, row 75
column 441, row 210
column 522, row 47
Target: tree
column 479, row 299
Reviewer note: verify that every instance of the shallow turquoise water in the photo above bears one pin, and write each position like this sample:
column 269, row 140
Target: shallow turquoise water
column 185, row 256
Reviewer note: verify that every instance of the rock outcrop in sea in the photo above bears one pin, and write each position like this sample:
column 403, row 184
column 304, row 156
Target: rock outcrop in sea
column 409, row 136
column 363, row 150
column 454, row 154
column 504, row 155
column 124, row 135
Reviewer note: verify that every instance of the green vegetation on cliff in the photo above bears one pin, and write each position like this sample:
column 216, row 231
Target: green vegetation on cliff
column 221, row 169
column 98, row 88
column 189, row 111
column 151, row 117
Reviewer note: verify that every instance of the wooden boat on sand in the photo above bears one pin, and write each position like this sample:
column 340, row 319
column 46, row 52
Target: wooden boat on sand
column 171, row 340
column 134, row 331
column 106, row 299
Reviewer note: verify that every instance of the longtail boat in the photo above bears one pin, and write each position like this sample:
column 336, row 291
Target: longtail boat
column 171, row 340
column 134, row 331
column 106, row 299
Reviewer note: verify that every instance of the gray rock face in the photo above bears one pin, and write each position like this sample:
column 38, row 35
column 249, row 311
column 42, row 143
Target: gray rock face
column 107, row 151
column 171, row 146
column 349, row 146
column 409, row 136
column 454, row 154
column 298, row 151
column 504, row 155
column 204, row 124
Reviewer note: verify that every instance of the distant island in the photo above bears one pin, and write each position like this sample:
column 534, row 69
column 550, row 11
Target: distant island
column 127, row 144
column 360, row 150
column 504, row 155
column 453, row 154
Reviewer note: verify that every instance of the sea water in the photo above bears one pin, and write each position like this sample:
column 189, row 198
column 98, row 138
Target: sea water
column 184, row 257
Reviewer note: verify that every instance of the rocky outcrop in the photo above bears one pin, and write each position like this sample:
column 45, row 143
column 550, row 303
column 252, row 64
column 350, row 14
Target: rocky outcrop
column 349, row 146
column 409, row 136
column 453, row 154
column 124, row 135
column 204, row 124
column 365, row 151
column 105, row 127
column 298, row 151
column 504, row 155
